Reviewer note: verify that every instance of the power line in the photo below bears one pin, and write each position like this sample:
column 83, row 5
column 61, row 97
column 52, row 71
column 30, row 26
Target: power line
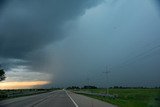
column 134, row 58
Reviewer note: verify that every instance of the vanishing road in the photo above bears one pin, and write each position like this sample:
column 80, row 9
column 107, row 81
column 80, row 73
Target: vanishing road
column 59, row 98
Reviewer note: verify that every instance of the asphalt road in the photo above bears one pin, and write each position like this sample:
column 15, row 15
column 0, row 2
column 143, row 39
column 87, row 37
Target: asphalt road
column 59, row 98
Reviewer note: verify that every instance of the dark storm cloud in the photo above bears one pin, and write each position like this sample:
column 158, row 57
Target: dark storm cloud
column 28, row 25
column 2, row 2
column 8, row 63
column 122, row 34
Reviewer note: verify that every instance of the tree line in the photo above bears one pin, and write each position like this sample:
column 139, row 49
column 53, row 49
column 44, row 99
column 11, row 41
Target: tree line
column 2, row 74
column 84, row 87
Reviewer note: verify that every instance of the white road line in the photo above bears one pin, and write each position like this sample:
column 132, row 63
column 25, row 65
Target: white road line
column 71, row 99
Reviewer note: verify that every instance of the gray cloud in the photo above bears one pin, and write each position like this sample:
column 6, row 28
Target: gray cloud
column 2, row 2
column 28, row 25
column 158, row 2
column 116, row 35
column 123, row 34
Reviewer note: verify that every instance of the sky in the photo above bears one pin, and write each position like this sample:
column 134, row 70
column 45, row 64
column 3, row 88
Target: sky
column 59, row 43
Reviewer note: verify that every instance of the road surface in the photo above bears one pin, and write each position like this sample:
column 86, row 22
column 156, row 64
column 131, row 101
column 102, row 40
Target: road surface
column 59, row 98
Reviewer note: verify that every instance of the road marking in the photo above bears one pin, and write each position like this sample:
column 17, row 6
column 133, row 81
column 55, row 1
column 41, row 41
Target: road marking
column 71, row 99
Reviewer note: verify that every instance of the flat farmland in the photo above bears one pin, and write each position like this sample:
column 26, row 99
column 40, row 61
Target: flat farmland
column 128, row 97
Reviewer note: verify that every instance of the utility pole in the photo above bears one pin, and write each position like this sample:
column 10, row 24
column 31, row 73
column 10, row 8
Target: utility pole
column 107, row 80
column 88, row 81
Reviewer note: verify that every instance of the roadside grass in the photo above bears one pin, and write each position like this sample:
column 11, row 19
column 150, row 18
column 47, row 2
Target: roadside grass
column 129, row 97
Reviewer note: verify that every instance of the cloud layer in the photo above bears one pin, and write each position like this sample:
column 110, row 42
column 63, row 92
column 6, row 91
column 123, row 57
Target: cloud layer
column 73, row 40
column 29, row 25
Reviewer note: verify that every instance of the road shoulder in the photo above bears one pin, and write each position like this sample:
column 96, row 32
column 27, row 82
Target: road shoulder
column 84, row 101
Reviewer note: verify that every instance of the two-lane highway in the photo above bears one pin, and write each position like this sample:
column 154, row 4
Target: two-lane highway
column 52, row 99
column 59, row 98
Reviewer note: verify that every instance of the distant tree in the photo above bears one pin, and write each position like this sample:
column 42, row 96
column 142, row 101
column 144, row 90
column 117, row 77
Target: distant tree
column 73, row 87
column 116, row 87
column 89, row 87
column 2, row 75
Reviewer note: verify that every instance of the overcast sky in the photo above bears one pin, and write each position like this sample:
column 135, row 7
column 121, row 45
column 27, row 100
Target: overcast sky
column 70, row 42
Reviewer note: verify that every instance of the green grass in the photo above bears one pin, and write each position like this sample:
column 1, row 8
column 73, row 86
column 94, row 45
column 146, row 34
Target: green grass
column 130, row 97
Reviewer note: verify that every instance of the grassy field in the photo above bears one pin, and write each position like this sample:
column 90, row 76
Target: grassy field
column 130, row 97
